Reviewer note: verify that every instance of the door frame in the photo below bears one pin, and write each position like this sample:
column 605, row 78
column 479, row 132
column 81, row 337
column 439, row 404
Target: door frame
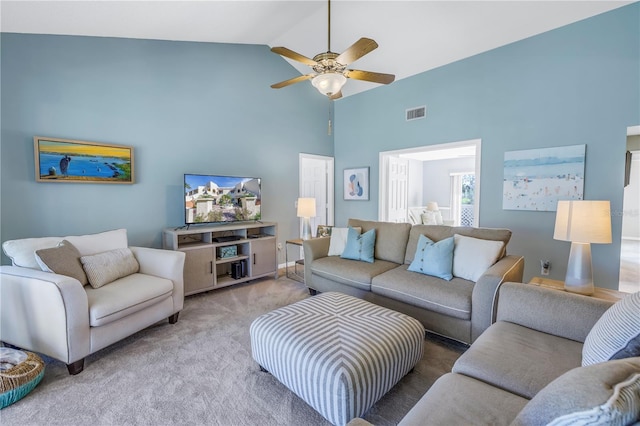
column 384, row 174
column 330, row 202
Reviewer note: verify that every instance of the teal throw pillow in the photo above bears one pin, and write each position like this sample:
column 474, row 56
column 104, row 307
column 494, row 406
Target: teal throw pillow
column 360, row 247
column 434, row 259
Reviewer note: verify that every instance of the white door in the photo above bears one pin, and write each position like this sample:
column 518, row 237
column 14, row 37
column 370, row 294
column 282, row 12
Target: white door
column 316, row 180
column 397, row 190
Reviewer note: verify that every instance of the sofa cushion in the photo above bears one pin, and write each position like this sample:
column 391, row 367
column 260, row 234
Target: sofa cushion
column 605, row 393
column 440, row 232
column 23, row 252
column 431, row 218
column 97, row 243
column 338, row 240
column 535, row 359
column 434, row 259
column 103, row 268
column 359, row 246
column 616, row 334
column 64, row 259
column 350, row 272
column 451, row 298
column 455, row 399
column 125, row 296
column 391, row 238
column 473, row 256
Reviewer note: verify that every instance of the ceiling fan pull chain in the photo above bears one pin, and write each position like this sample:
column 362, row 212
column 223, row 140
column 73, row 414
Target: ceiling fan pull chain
column 329, row 130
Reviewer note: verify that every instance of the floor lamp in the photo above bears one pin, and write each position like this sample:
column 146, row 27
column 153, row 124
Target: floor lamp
column 582, row 222
column 306, row 210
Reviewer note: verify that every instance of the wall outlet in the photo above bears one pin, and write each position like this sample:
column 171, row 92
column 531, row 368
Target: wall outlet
column 279, row 246
column 545, row 265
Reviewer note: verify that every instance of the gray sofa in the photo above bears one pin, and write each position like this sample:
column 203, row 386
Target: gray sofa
column 459, row 309
column 526, row 369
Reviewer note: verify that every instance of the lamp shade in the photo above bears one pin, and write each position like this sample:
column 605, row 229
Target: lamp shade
column 306, row 207
column 329, row 83
column 583, row 221
column 432, row 206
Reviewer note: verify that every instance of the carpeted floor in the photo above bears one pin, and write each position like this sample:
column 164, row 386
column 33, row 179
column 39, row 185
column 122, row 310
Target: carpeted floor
column 200, row 372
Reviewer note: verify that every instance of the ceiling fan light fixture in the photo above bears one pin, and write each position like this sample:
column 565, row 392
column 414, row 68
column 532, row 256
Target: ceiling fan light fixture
column 329, row 83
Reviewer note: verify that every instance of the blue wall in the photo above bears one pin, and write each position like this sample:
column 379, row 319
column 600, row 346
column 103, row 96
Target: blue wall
column 579, row 84
column 205, row 108
column 184, row 107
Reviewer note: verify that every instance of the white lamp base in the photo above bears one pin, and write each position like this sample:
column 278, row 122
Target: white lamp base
column 579, row 277
column 306, row 228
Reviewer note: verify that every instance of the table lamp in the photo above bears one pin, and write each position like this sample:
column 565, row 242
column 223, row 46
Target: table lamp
column 434, row 211
column 306, row 210
column 582, row 222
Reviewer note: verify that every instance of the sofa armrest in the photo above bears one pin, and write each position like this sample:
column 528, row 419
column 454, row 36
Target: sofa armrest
column 485, row 292
column 550, row 311
column 44, row 312
column 167, row 264
column 314, row 248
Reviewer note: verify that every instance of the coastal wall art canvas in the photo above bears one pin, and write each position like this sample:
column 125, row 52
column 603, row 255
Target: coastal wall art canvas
column 67, row 160
column 356, row 183
column 536, row 179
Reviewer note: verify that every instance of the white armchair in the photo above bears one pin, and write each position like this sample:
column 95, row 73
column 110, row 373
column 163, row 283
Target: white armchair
column 57, row 316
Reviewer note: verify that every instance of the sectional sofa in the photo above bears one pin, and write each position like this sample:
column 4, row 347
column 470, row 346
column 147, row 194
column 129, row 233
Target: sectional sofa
column 552, row 358
column 461, row 308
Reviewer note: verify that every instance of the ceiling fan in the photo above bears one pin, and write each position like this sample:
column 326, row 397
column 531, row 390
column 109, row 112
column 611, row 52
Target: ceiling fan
column 330, row 68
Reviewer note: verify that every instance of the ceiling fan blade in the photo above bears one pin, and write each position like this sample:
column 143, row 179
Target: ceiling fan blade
column 292, row 81
column 356, row 51
column 293, row 55
column 336, row 96
column 375, row 77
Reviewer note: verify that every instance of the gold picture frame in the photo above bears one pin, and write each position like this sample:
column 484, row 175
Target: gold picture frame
column 68, row 160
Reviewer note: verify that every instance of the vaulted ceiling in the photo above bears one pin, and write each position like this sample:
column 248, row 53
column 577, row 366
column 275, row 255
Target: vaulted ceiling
column 413, row 36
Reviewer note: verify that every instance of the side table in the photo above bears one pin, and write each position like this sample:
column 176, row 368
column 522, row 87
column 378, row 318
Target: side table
column 297, row 264
column 600, row 293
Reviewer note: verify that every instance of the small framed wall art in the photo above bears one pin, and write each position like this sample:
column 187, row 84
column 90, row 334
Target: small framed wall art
column 356, row 183
column 67, row 160
column 323, row 231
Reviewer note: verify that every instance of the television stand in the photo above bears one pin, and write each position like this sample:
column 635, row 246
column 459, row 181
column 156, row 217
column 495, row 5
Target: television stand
column 209, row 266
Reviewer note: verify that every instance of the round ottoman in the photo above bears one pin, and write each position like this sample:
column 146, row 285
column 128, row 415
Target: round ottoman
column 20, row 372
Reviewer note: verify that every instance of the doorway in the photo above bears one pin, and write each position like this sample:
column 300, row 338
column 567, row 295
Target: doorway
column 447, row 174
column 316, row 180
column 630, row 236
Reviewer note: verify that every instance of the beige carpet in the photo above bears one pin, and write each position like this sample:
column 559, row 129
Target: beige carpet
column 200, row 372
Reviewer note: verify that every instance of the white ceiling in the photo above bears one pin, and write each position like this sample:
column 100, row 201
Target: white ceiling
column 413, row 36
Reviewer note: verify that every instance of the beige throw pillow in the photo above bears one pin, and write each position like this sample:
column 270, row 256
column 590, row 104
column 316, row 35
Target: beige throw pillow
column 104, row 268
column 473, row 256
column 63, row 259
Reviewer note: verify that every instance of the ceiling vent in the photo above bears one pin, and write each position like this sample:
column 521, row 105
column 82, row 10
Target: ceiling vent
column 416, row 113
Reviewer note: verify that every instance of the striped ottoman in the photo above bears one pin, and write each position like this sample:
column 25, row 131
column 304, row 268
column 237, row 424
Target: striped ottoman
column 338, row 353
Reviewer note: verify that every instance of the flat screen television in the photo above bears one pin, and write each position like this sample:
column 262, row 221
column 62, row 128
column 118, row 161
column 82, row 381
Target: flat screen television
column 221, row 199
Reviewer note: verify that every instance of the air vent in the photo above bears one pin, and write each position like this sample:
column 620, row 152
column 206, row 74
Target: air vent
column 416, row 113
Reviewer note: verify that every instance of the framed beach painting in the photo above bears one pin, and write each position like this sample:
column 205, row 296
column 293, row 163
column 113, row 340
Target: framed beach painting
column 66, row 160
column 356, row 183
column 536, row 179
